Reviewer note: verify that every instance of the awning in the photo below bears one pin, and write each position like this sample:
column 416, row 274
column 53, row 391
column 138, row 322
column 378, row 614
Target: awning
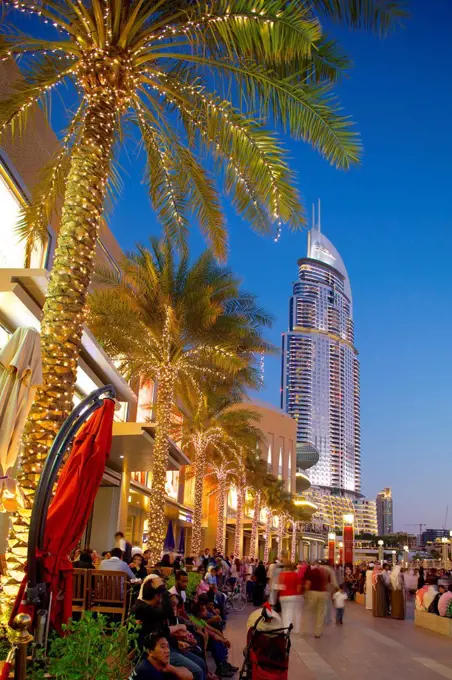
column 134, row 443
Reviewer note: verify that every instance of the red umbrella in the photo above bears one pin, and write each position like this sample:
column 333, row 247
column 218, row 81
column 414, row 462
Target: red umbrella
column 70, row 509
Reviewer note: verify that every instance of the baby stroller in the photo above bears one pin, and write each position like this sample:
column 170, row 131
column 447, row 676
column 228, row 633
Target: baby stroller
column 268, row 648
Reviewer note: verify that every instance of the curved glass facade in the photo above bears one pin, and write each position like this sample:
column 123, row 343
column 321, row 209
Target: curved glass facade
column 320, row 368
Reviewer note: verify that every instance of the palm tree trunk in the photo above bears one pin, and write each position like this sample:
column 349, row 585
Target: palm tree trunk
column 281, row 527
column 200, row 473
column 221, row 535
column 267, row 545
column 293, row 552
column 64, row 308
column 239, row 518
column 255, row 524
column 164, row 410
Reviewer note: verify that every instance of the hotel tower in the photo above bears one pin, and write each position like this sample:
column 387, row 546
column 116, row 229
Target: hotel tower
column 320, row 371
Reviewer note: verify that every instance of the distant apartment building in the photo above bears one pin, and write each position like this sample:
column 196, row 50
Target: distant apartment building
column 365, row 516
column 385, row 512
column 431, row 535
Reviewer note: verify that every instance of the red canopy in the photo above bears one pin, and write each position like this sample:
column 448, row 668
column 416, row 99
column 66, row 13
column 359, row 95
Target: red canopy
column 71, row 507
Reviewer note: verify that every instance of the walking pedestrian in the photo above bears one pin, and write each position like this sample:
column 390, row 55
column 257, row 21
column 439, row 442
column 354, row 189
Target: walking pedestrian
column 260, row 576
column 339, row 598
column 289, row 586
column 315, row 596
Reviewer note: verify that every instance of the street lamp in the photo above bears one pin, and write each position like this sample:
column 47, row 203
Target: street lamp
column 331, row 548
column 394, row 558
column 405, row 554
column 349, row 537
column 445, row 542
column 380, row 551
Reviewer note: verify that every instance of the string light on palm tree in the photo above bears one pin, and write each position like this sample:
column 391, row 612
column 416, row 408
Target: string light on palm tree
column 147, row 322
column 146, row 63
column 293, row 549
column 268, row 535
column 255, row 525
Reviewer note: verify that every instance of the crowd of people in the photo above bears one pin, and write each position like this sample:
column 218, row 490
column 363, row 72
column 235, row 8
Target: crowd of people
column 434, row 591
column 179, row 632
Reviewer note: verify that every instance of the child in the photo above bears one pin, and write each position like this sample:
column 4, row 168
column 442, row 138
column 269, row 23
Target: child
column 339, row 598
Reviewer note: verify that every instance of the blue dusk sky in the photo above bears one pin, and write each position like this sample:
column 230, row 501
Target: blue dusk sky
column 391, row 221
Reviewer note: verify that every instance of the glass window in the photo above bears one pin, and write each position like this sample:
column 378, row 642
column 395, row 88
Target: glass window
column 12, row 250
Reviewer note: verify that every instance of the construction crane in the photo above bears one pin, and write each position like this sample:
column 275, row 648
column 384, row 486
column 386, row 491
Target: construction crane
column 420, row 525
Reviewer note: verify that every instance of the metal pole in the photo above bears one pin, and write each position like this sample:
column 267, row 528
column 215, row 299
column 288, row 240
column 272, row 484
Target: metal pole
column 21, row 640
column 88, row 530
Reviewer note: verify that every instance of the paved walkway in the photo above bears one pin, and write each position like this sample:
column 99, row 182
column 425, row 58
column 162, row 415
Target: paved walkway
column 364, row 648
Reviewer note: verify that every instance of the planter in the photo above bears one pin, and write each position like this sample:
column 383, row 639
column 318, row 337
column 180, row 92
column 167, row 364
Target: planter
column 360, row 598
column 440, row 625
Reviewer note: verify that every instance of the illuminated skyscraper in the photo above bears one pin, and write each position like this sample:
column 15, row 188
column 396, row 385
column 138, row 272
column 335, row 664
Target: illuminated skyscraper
column 384, row 512
column 320, row 369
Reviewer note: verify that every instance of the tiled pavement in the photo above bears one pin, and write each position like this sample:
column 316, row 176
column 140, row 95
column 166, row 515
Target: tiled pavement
column 364, row 648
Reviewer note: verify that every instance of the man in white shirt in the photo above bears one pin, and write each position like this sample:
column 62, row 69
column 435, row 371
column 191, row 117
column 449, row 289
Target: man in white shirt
column 115, row 563
column 180, row 587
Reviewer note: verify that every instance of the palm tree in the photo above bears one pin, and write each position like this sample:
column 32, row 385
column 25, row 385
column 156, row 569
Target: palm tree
column 149, row 63
column 174, row 323
column 211, row 424
column 277, row 501
column 259, row 479
column 223, row 468
column 250, row 462
column 241, row 485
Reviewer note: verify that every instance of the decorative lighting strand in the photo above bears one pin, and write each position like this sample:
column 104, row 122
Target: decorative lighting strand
column 255, row 525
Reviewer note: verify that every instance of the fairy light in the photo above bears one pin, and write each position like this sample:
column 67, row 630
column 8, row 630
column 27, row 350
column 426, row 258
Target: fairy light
column 293, row 550
column 255, row 524
column 200, row 464
column 112, row 77
column 281, row 531
column 239, row 514
column 268, row 528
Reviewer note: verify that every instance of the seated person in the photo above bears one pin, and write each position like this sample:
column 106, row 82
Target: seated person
column 217, row 643
column 137, row 566
column 433, row 607
column 197, row 637
column 211, row 576
column 156, row 665
column 218, row 599
column 214, row 617
column 115, row 563
column 445, row 602
column 85, row 561
column 150, row 611
column 180, row 586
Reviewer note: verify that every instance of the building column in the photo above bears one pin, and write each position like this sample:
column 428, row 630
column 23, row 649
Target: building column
column 123, row 511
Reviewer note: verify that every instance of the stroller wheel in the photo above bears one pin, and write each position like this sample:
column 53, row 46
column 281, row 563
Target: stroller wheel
column 239, row 602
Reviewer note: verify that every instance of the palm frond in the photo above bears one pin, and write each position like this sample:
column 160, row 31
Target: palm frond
column 380, row 16
column 307, row 111
column 33, row 89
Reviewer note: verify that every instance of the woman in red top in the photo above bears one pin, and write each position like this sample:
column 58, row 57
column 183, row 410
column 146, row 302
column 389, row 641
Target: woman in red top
column 289, row 587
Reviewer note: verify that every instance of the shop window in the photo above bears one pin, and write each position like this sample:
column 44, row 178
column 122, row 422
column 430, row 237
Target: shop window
column 12, row 249
column 140, row 478
column 145, row 403
column 121, row 411
column 232, row 498
column 172, row 484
